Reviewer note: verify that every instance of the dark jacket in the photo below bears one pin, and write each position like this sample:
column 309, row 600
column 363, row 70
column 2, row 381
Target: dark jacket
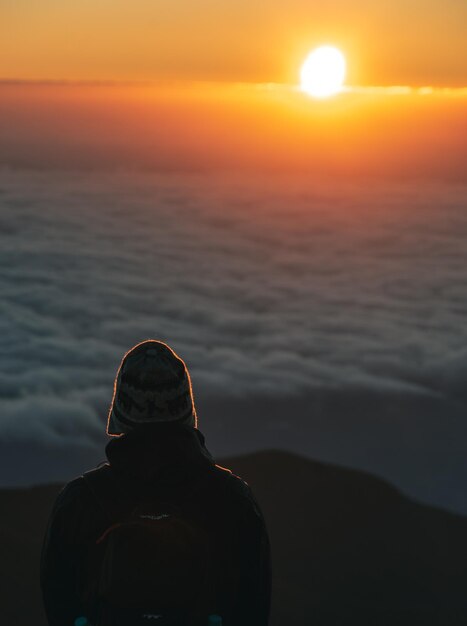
column 167, row 460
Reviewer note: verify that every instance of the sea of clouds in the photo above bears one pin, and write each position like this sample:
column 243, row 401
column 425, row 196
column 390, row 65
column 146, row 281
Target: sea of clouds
column 325, row 318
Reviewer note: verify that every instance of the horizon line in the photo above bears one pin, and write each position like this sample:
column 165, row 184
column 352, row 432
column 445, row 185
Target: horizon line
column 267, row 86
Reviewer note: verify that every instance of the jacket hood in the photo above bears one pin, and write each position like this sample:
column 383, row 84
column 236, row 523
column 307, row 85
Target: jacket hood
column 158, row 452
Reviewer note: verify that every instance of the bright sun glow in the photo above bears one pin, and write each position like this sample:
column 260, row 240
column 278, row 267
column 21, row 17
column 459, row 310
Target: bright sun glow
column 323, row 72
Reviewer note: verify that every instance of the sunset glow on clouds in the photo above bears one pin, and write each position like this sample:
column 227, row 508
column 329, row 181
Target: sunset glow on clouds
column 180, row 86
column 388, row 132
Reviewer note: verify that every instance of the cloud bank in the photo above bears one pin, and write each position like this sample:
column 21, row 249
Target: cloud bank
column 269, row 289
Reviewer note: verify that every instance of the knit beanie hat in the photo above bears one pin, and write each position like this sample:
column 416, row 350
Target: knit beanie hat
column 152, row 386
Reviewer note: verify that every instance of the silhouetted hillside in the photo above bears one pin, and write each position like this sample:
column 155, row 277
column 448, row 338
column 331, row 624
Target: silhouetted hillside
column 347, row 548
column 350, row 549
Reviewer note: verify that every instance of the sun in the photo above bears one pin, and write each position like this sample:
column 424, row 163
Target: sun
column 323, row 72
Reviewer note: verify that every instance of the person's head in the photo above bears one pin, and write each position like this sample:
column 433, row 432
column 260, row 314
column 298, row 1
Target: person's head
column 152, row 386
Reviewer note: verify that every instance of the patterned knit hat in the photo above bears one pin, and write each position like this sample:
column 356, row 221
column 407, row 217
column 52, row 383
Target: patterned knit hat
column 152, row 385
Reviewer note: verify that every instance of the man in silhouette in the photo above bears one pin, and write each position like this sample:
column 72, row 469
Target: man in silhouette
column 159, row 533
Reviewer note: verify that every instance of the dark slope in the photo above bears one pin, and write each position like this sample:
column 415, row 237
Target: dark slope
column 23, row 517
column 347, row 548
column 350, row 549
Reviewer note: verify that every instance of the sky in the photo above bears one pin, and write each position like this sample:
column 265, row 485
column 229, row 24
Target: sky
column 409, row 42
column 183, row 85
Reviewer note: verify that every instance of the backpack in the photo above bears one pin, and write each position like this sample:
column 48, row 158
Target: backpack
column 153, row 564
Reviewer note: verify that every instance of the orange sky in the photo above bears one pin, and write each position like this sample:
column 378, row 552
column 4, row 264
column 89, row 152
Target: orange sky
column 414, row 42
column 218, row 85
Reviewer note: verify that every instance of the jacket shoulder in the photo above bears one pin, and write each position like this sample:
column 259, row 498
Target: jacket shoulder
column 235, row 481
column 75, row 491
column 70, row 492
column 239, row 490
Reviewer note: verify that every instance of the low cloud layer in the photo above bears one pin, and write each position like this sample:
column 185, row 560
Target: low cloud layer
column 268, row 289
